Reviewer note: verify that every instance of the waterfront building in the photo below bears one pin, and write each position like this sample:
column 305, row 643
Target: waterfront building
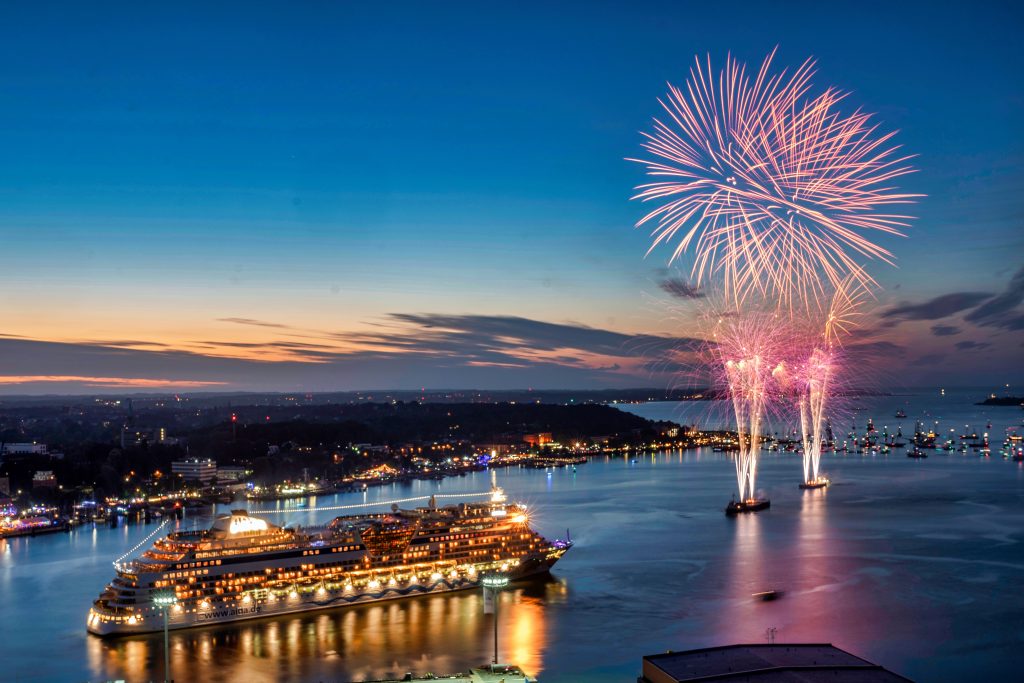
column 494, row 448
column 778, row 663
column 540, row 439
column 203, row 471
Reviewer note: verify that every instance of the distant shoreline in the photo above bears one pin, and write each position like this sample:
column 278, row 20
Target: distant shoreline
column 1002, row 401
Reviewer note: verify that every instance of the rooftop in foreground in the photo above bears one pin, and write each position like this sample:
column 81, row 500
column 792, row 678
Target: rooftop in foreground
column 763, row 663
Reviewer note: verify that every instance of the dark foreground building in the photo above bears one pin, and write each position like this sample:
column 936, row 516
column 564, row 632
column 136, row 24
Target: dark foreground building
column 798, row 663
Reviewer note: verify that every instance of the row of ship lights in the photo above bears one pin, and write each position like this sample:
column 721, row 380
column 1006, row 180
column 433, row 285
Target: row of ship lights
column 497, row 495
column 294, row 594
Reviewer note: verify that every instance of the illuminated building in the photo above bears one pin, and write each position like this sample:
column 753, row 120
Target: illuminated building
column 193, row 469
column 44, row 479
column 230, row 473
column 24, row 449
column 541, row 439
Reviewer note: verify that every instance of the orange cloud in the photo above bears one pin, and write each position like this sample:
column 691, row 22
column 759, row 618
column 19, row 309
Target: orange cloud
column 138, row 382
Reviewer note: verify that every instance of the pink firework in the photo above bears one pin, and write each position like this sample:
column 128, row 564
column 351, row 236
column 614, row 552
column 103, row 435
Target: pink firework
column 775, row 191
column 747, row 349
column 810, row 373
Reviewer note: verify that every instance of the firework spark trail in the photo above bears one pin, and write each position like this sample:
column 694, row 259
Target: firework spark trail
column 808, row 374
column 746, row 386
column 747, row 346
column 775, row 191
column 843, row 315
column 819, row 375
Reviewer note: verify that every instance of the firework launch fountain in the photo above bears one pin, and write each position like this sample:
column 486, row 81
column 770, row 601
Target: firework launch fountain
column 777, row 193
column 811, row 396
column 746, row 388
column 817, row 374
column 746, row 349
column 812, row 416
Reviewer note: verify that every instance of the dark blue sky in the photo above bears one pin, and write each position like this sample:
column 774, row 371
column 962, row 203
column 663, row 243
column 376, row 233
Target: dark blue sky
column 331, row 167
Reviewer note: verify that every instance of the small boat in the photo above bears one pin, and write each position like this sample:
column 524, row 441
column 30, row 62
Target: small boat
column 917, row 453
column 901, row 413
column 767, row 596
column 752, row 505
column 819, row 483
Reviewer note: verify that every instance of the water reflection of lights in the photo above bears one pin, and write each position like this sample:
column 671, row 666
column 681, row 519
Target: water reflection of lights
column 526, row 637
column 746, row 575
column 440, row 633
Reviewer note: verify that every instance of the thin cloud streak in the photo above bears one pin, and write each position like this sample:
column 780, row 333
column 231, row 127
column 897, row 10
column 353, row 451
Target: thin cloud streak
column 938, row 307
column 681, row 289
column 110, row 382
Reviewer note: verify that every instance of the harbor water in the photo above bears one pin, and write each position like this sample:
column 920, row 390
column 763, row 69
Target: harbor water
column 913, row 564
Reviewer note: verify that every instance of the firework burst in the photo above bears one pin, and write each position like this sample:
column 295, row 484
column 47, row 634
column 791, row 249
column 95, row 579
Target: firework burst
column 775, row 190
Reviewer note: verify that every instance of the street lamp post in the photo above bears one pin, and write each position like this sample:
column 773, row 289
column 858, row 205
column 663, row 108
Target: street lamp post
column 165, row 600
column 493, row 583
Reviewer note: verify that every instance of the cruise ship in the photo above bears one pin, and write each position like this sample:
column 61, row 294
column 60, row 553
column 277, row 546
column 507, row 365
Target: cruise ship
column 244, row 567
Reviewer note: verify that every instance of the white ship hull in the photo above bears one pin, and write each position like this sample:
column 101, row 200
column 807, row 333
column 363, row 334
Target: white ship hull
column 301, row 602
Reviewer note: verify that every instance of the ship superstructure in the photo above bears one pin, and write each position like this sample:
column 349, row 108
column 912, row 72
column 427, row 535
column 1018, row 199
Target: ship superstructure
column 244, row 567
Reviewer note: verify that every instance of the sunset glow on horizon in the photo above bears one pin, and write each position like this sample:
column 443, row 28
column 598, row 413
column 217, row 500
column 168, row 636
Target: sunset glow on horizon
column 308, row 213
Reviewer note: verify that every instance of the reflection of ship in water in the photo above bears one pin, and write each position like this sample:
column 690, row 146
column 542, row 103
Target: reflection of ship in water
column 442, row 632
column 244, row 567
